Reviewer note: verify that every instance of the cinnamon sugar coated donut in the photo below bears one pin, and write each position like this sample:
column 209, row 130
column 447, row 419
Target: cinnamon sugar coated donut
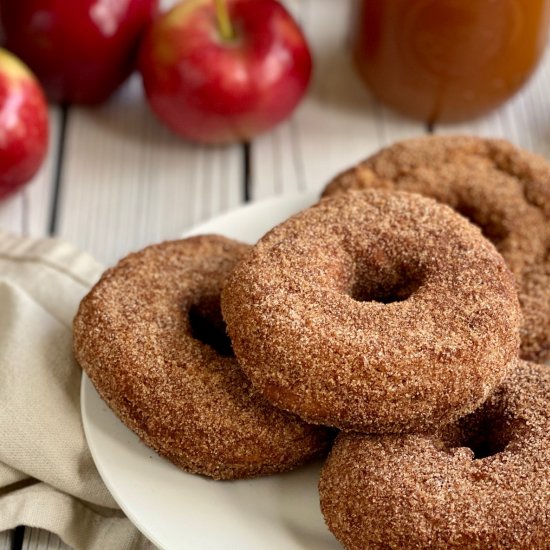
column 375, row 311
column 484, row 484
column 504, row 190
column 150, row 337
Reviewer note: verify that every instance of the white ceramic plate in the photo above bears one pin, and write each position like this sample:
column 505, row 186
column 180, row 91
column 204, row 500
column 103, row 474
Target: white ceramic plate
column 176, row 510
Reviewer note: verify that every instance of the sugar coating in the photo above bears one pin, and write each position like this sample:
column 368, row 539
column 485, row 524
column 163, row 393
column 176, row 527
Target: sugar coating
column 133, row 337
column 499, row 187
column 305, row 313
column 428, row 491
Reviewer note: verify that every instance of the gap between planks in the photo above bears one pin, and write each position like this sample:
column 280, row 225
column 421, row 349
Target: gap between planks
column 126, row 182
column 340, row 123
column 27, row 211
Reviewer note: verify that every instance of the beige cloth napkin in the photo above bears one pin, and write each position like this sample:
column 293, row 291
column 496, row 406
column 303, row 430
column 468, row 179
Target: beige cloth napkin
column 47, row 476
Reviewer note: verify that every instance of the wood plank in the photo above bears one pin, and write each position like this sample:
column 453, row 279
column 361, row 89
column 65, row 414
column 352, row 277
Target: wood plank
column 11, row 214
column 337, row 124
column 127, row 182
column 5, row 540
column 38, row 195
column 27, row 212
column 38, row 539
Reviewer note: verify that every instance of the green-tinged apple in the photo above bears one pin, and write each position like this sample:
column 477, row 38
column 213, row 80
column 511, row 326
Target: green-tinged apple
column 218, row 71
column 23, row 124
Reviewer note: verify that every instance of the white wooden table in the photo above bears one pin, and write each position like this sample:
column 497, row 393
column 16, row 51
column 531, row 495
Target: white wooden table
column 115, row 180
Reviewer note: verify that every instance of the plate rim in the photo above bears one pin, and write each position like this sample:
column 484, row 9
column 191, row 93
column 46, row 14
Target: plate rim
column 301, row 199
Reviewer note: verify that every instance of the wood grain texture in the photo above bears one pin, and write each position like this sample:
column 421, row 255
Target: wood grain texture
column 11, row 213
column 5, row 540
column 127, row 182
column 337, row 124
column 38, row 539
column 27, row 212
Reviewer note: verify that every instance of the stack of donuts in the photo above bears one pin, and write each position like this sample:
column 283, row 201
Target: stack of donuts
column 398, row 325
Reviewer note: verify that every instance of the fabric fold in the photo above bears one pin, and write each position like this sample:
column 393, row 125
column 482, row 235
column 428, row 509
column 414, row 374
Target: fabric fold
column 47, row 475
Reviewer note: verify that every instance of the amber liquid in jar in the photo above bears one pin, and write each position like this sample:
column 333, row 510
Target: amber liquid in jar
column 448, row 60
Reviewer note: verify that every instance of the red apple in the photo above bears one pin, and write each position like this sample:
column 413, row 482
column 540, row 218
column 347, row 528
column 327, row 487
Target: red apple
column 23, row 124
column 218, row 71
column 81, row 50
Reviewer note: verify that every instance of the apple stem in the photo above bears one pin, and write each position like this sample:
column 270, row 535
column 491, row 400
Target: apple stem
column 224, row 21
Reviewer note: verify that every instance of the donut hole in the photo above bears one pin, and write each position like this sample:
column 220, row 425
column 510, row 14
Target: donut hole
column 484, row 445
column 492, row 228
column 385, row 293
column 207, row 325
column 485, row 435
column 388, row 286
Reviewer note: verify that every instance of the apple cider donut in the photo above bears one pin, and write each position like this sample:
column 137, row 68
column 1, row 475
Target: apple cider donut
column 151, row 338
column 500, row 188
column 483, row 484
column 378, row 312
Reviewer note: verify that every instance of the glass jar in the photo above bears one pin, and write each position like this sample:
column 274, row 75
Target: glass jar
column 448, row 60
